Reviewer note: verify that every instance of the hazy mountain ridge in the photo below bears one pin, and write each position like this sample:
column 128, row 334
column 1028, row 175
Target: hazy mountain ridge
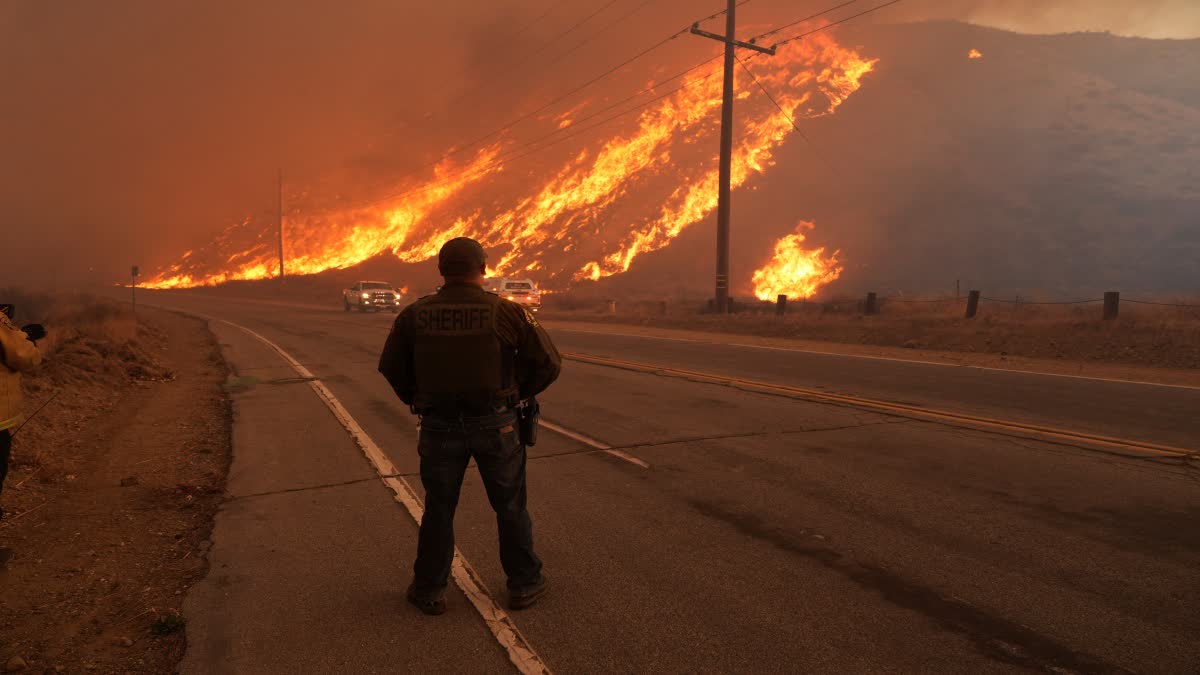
column 1038, row 166
column 1053, row 164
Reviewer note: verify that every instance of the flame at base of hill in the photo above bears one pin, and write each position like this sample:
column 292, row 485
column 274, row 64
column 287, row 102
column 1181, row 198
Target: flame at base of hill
column 794, row 270
column 580, row 214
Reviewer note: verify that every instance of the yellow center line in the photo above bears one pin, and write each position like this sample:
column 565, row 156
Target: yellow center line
column 888, row 407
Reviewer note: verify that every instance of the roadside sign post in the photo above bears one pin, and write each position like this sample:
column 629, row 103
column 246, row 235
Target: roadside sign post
column 133, row 289
column 279, row 222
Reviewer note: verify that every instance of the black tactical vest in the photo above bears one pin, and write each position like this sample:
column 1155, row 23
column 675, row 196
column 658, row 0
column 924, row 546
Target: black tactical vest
column 462, row 367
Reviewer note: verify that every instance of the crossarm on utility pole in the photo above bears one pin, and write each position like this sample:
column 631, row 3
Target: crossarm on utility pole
column 736, row 43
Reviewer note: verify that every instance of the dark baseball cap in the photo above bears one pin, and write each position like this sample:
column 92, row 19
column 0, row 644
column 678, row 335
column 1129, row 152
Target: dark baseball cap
column 461, row 256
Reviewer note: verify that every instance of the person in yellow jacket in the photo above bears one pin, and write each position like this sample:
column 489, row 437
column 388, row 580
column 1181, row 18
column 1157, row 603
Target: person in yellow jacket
column 18, row 354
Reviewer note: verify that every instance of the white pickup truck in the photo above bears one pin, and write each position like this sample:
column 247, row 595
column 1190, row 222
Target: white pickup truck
column 521, row 291
column 373, row 295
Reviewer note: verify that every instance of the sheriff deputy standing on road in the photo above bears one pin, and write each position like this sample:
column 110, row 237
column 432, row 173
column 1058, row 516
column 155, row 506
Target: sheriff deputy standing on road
column 469, row 362
column 18, row 354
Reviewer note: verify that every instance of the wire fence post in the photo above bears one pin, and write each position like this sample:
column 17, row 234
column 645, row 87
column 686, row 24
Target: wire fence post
column 781, row 305
column 1112, row 305
column 872, row 306
column 972, row 304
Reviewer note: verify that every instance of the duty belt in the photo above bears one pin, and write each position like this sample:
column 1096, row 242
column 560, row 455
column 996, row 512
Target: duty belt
column 435, row 420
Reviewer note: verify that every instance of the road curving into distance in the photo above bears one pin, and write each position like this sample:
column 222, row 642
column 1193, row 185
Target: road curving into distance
column 784, row 512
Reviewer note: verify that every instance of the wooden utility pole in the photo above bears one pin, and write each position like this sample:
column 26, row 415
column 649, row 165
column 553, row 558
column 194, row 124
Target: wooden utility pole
column 279, row 216
column 726, row 170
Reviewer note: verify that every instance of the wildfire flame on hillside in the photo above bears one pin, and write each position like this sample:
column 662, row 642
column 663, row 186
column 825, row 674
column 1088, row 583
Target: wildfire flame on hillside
column 590, row 218
column 974, row 54
column 795, row 271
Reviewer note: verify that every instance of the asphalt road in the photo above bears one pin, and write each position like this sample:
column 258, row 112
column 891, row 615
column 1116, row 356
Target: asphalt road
column 766, row 534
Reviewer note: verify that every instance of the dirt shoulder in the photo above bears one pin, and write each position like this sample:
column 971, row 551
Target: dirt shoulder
column 111, row 497
column 728, row 334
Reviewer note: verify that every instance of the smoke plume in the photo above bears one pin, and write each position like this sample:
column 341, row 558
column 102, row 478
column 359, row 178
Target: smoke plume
column 1144, row 18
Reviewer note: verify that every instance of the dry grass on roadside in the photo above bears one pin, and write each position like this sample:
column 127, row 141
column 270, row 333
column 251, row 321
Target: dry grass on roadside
column 1144, row 334
column 93, row 348
column 113, row 488
column 89, row 339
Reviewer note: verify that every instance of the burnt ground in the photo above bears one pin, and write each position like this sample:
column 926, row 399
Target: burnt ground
column 112, row 495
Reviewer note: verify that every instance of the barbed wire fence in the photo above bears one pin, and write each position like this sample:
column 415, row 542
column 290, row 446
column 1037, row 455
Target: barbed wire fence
column 873, row 304
column 1021, row 301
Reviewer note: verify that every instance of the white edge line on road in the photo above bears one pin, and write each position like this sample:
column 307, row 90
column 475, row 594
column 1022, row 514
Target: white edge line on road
column 498, row 621
column 586, row 440
column 1010, row 371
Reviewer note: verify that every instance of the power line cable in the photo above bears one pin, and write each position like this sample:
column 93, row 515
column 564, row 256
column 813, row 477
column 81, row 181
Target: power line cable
column 575, row 26
column 562, row 97
column 835, row 23
column 800, row 21
column 587, row 84
column 549, row 10
column 532, row 147
column 544, row 46
column 722, row 12
column 606, row 120
column 520, row 31
column 788, row 117
column 515, row 153
column 690, row 84
column 648, row 89
column 474, row 143
column 593, row 36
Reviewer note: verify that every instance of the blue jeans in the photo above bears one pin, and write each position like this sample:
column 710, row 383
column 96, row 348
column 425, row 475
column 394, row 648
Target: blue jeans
column 446, row 446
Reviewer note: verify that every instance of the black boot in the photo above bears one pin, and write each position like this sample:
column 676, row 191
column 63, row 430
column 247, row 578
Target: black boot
column 432, row 604
column 527, row 596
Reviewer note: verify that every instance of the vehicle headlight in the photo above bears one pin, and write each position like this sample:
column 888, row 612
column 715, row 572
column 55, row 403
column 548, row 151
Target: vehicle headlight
column 366, row 295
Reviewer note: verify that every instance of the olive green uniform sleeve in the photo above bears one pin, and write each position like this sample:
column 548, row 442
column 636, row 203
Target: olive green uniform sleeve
column 538, row 361
column 396, row 361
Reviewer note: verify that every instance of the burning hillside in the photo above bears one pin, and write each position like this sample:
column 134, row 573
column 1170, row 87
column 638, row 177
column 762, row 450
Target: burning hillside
column 586, row 215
